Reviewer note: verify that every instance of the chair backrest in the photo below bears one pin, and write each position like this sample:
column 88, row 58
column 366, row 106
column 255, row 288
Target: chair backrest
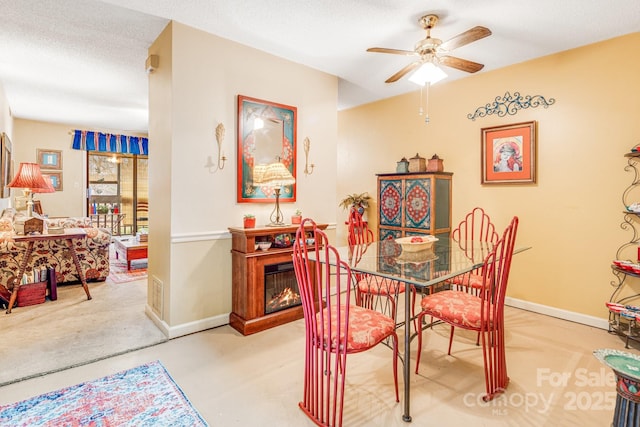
column 359, row 232
column 476, row 226
column 496, row 268
column 325, row 285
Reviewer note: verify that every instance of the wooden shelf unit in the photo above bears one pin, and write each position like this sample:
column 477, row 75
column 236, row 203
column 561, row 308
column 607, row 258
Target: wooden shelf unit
column 248, row 279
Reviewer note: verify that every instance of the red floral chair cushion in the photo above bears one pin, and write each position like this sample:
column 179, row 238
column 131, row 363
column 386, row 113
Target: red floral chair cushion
column 366, row 327
column 455, row 307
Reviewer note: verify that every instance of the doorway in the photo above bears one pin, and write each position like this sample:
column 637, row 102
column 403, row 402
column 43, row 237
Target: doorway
column 118, row 191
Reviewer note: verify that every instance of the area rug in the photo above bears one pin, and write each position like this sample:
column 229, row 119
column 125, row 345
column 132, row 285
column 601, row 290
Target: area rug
column 143, row 396
column 118, row 272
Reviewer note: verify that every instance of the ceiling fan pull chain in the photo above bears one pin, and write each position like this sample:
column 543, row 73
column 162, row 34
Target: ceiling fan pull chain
column 426, row 116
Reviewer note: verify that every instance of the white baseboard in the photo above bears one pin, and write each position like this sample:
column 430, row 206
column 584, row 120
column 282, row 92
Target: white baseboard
column 186, row 328
column 571, row 316
column 223, row 319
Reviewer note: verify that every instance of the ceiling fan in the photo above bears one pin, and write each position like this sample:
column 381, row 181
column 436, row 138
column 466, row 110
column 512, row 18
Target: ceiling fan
column 435, row 50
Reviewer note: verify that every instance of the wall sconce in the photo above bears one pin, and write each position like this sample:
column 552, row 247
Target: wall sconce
column 307, row 146
column 219, row 138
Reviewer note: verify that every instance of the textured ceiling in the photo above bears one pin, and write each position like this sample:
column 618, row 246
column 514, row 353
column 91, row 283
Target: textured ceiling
column 82, row 61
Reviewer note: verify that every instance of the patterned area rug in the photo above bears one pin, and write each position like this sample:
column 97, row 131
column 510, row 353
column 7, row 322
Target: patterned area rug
column 118, row 269
column 142, row 396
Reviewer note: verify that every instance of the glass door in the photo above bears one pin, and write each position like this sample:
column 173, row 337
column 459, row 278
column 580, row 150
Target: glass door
column 118, row 191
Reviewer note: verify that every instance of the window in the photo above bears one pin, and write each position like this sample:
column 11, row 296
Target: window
column 118, row 183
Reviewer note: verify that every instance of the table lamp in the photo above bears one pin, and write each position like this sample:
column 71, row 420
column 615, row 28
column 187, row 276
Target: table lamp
column 30, row 179
column 274, row 175
column 50, row 189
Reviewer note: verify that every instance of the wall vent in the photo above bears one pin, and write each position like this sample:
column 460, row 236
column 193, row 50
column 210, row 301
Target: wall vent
column 157, row 297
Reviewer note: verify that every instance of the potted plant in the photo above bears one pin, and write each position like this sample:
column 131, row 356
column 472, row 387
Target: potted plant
column 249, row 221
column 358, row 201
column 296, row 218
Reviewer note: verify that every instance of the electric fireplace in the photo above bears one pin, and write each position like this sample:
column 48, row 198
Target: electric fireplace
column 280, row 287
column 265, row 292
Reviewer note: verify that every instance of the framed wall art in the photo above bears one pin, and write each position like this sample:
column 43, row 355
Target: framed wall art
column 5, row 165
column 509, row 154
column 266, row 134
column 50, row 159
column 56, row 179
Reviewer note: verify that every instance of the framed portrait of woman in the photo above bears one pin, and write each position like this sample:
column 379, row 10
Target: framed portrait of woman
column 509, row 154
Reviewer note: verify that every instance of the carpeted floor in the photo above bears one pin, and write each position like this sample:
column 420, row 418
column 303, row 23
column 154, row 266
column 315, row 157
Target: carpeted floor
column 118, row 272
column 142, row 396
column 73, row 331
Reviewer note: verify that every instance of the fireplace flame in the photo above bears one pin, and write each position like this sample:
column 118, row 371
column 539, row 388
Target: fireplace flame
column 285, row 298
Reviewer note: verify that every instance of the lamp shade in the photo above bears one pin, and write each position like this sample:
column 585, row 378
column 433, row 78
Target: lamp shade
column 49, row 189
column 273, row 175
column 28, row 176
column 427, row 73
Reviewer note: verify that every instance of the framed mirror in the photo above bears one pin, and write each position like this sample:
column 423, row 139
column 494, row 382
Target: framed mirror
column 266, row 134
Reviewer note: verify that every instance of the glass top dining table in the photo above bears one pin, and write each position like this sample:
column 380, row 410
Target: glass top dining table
column 421, row 269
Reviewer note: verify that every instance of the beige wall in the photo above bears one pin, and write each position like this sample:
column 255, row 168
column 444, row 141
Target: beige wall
column 30, row 135
column 194, row 88
column 572, row 215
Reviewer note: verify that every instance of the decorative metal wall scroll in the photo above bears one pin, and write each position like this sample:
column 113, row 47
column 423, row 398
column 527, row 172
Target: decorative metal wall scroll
column 510, row 104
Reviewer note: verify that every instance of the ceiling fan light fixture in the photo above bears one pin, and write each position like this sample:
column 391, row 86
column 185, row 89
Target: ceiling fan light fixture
column 427, row 73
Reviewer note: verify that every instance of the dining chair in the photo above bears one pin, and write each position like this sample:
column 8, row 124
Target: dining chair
column 334, row 327
column 475, row 235
column 483, row 312
column 475, row 229
column 369, row 287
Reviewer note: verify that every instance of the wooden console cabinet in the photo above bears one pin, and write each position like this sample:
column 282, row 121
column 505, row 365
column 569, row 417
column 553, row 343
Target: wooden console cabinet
column 248, row 314
column 414, row 203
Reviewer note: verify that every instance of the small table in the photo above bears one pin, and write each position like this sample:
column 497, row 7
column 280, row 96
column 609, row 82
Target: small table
column 626, row 367
column 130, row 249
column 68, row 236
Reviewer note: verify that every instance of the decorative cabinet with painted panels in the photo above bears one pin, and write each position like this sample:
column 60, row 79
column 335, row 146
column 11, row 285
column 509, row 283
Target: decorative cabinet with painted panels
column 414, row 203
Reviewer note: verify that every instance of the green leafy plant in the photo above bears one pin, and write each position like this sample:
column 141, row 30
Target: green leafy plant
column 249, row 216
column 356, row 199
column 298, row 212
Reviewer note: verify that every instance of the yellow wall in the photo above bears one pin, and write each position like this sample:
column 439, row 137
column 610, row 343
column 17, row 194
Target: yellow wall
column 191, row 205
column 572, row 215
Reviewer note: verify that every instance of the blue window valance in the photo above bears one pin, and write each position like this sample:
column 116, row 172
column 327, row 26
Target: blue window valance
column 110, row 143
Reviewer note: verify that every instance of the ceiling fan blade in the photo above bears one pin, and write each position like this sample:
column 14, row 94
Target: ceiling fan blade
column 397, row 76
column 476, row 33
column 394, row 51
column 460, row 64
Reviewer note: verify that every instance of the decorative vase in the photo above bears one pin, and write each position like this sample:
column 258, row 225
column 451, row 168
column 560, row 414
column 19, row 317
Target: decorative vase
column 296, row 219
column 249, row 222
